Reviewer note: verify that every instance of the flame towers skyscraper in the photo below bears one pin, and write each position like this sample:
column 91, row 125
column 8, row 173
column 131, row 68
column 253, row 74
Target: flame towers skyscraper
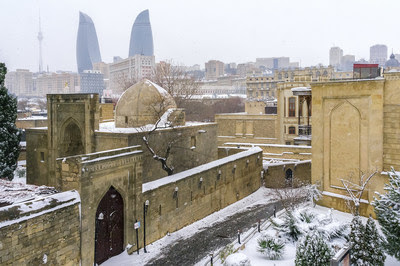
column 87, row 45
column 141, row 42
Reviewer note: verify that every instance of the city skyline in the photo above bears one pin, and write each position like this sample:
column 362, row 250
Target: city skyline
column 193, row 33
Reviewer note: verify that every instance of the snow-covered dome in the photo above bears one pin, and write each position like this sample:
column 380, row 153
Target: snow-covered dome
column 392, row 62
column 141, row 104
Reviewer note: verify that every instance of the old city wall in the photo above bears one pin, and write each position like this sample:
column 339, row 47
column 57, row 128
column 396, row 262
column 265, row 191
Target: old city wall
column 25, row 123
column 277, row 151
column 37, row 156
column 41, row 231
column 246, row 128
column 275, row 174
column 180, row 199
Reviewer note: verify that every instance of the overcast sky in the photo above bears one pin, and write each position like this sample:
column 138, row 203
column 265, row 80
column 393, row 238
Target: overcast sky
column 193, row 32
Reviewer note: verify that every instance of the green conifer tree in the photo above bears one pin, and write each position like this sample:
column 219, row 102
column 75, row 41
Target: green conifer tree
column 387, row 209
column 374, row 254
column 10, row 135
column 313, row 251
column 356, row 239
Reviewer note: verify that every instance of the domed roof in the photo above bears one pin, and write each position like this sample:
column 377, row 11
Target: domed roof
column 392, row 62
column 142, row 104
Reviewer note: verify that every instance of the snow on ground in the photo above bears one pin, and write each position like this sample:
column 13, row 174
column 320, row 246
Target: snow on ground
column 258, row 259
column 261, row 196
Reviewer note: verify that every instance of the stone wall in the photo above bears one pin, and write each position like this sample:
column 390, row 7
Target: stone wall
column 274, row 174
column 106, row 112
column 242, row 127
column 37, row 156
column 30, row 122
column 277, row 151
column 181, row 199
column 41, row 231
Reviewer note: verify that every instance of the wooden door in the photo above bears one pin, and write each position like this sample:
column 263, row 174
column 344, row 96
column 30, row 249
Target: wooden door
column 109, row 235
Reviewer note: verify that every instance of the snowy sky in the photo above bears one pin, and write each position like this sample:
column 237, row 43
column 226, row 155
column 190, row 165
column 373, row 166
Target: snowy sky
column 192, row 32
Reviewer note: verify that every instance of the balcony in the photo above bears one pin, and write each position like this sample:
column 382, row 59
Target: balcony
column 304, row 130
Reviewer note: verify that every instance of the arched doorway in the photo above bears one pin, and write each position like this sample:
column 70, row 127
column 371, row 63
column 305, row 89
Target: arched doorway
column 109, row 234
column 289, row 178
column 71, row 140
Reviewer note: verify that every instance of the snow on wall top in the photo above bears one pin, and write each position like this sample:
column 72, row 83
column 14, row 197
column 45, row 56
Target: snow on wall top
column 109, row 127
column 12, row 192
column 30, row 209
column 179, row 176
column 267, row 145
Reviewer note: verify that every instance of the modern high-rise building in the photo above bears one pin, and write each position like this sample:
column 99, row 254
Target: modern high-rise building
column 335, row 56
column 378, row 54
column 214, row 69
column 273, row 62
column 20, row 82
column 141, row 42
column 87, row 45
column 347, row 62
column 92, row 81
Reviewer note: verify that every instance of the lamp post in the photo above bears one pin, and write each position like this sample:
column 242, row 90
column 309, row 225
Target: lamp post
column 145, row 207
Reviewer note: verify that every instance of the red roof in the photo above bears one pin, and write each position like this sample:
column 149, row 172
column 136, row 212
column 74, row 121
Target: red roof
column 365, row 65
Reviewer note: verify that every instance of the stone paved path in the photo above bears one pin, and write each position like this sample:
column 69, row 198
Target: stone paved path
column 188, row 251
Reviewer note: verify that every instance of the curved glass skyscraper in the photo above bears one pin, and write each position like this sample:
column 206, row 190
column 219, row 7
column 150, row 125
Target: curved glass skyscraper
column 141, row 36
column 87, row 45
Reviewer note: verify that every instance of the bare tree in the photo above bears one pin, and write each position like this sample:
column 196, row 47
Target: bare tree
column 355, row 192
column 179, row 83
column 124, row 80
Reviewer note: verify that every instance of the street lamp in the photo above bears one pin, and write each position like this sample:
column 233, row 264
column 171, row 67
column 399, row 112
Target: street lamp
column 145, row 207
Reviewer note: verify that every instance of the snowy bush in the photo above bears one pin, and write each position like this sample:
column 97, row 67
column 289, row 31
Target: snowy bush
column 387, row 209
column 296, row 224
column 20, row 172
column 312, row 250
column 237, row 259
column 272, row 248
column 225, row 252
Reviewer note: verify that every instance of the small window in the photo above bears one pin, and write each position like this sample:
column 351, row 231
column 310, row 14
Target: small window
column 292, row 130
column 42, row 156
column 288, row 143
column 126, row 120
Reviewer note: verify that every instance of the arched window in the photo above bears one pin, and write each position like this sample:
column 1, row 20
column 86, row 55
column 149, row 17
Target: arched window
column 72, row 140
column 292, row 130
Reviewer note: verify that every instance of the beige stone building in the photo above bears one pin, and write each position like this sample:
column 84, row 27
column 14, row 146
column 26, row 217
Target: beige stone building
column 129, row 71
column 355, row 131
column 214, row 69
column 58, row 82
column 20, row 82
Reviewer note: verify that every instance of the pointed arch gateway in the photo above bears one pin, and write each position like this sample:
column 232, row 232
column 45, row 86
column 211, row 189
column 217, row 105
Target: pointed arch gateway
column 109, row 233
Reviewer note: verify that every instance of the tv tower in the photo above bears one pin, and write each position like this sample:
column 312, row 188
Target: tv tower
column 40, row 38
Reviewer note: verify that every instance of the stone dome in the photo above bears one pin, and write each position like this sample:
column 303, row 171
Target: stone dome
column 392, row 62
column 142, row 104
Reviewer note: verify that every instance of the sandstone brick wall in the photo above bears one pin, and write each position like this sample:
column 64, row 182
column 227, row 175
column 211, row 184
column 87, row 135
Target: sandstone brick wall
column 201, row 191
column 48, row 232
column 274, row 174
column 391, row 141
column 277, row 151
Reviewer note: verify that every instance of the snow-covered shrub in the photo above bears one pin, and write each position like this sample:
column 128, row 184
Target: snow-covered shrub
column 20, row 172
column 312, row 250
column 225, row 252
column 387, row 209
column 288, row 228
column 313, row 192
column 296, row 224
column 374, row 254
column 237, row 259
column 356, row 239
column 272, row 248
